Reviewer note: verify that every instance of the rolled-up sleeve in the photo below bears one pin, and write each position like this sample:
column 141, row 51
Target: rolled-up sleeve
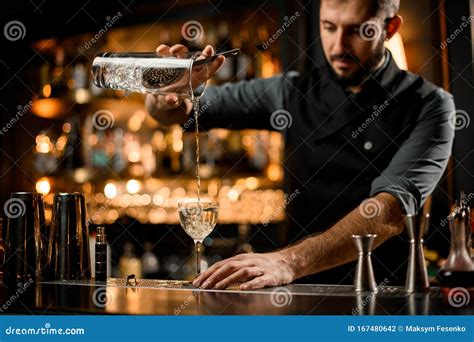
column 418, row 165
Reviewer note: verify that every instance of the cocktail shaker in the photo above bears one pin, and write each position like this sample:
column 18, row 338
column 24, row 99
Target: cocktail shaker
column 25, row 238
column 68, row 249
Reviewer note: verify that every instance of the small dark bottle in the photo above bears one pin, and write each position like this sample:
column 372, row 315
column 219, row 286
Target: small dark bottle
column 101, row 255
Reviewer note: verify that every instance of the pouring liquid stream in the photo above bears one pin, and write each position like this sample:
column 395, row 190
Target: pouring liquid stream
column 195, row 101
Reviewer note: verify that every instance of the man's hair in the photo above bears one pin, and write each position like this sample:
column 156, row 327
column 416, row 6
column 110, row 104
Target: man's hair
column 386, row 8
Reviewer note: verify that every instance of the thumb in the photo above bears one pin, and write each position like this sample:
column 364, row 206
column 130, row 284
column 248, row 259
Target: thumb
column 172, row 101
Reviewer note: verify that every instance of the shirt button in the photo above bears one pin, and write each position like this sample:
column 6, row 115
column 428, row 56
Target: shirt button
column 368, row 145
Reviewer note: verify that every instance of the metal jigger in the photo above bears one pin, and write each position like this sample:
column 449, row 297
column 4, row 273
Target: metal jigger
column 364, row 278
column 417, row 276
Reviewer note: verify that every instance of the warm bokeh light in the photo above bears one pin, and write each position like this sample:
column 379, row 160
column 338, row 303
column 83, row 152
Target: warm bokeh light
column 61, row 143
column 133, row 186
column 177, row 139
column 82, row 96
column 134, row 123
column 134, row 156
column 42, row 186
column 233, row 194
column 251, row 183
column 274, row 172
column 47, row 90
column 66, row 127
column 49, row 108
column 110, row 190
column 43, row 144
column 81, row 175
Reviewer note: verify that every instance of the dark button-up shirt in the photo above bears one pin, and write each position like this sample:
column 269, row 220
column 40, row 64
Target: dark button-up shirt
column 341, row 148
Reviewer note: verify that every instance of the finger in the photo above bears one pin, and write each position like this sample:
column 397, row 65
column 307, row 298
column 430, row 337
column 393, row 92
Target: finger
column 163, row 50
column 256, row 283
column 172, row 100
column 208, row 51
column 203, row 276
column 222, row 273
column 217, row 276
column 178, row 49
column 216, row 64
column 240, row 276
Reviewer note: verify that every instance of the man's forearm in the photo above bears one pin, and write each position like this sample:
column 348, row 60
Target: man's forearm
column 335, row 247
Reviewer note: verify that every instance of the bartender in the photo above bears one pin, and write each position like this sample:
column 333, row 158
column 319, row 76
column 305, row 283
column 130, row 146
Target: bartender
column 367, row 143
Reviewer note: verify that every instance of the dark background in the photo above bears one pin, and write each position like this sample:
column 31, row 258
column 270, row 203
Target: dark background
column 427, row 24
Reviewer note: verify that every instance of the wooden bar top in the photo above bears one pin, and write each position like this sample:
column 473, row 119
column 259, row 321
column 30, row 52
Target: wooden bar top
column 152, row 297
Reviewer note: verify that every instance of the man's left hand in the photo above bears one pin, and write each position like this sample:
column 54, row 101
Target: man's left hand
column 251, row 270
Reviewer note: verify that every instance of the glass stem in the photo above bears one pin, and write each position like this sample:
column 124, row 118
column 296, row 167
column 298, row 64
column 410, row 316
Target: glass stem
column 198, row 257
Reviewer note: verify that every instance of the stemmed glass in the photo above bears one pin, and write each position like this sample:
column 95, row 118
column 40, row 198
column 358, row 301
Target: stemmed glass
column 198, row 218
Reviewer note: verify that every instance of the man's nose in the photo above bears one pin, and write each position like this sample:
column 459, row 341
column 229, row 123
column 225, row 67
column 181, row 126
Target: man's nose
column 341, row 45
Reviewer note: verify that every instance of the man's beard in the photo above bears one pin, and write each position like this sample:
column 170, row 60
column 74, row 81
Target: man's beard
column 364, row 70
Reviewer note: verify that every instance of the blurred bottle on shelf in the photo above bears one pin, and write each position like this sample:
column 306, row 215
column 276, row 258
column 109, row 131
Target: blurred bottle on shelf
column 118, row 161
column 227, row 71
column 73, row 158
column 58, row 77
column 129, row 263
column 245, row 68
column 150, row 262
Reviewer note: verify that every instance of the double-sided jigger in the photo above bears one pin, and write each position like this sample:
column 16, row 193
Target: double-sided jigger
column 364, row 278
column 417, row 276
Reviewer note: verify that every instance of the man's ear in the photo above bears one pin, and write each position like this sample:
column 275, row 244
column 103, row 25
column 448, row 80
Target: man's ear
column 393, row 25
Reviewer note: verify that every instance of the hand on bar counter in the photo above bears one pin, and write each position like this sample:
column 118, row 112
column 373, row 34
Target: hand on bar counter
column 254, row 269
column 311, row 255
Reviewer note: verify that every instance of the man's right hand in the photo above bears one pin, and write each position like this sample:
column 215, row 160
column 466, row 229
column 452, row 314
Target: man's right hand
column 171, row 109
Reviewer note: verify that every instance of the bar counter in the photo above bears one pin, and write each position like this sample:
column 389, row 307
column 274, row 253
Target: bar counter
column 152, row 297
